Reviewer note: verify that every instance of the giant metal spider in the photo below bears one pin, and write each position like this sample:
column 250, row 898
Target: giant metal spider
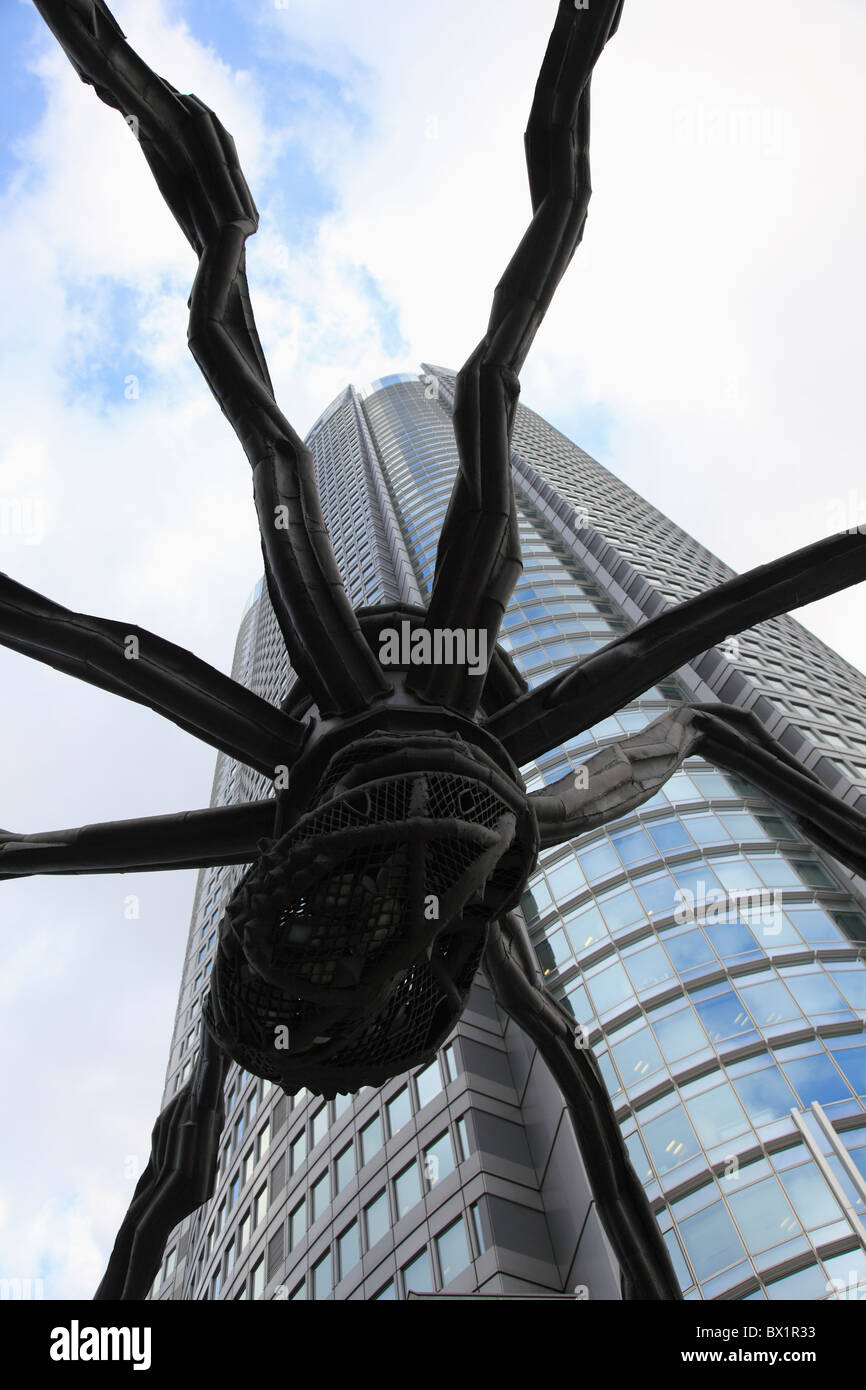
column 384, row 873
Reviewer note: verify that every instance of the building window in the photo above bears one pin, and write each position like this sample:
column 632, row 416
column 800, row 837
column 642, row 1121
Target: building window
column 429, row 1082
column 376, row 1219
column 453, row 1251
column 258, row 1286
column 349, row 1249
column 399, row 1111
column 299, row 1150
column 475, row 1213
column 246, row 1228
column 261, row 1205
column 371, row 1139
column 385, row 1294
column 249, row 1164
column 320, row 1195
column 322, row 1277
column 298, row 1224
column 463, row 1138
column 320, row 1124
column 417, row 1275
column 265, row 1138
column 345, row 1167
column 438, row 1159
column 407, row 1189
column 449, row 1061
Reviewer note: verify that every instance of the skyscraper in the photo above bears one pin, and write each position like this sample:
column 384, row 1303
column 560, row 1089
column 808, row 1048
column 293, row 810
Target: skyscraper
column 715, row 959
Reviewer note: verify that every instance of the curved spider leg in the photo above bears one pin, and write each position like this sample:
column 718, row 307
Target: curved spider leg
column 481, row 521
column 179, row 1177
column 624, row 775
column 606, row 680
column 130, row 661
column 195, row 164
column 623, row 1208
column 186, row 840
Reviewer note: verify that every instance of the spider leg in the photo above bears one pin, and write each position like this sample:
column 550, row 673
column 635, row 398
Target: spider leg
column 481, row 522
column 130, row 661
column 624, row 775
column 622, row 1205
column 603, row 682
column 196, row 167
column 187, row 840
column 179, row 1177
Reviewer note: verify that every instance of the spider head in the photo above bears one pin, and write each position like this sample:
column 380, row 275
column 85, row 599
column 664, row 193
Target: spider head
column 347, row 952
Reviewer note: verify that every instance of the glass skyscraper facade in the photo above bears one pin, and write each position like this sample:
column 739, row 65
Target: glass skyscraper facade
column 715, row 959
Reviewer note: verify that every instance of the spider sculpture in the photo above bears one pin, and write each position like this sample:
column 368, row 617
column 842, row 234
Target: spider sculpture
column 384, row 873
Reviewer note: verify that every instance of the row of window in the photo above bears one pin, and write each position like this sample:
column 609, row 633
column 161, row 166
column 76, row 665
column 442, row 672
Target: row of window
column 697, row 1122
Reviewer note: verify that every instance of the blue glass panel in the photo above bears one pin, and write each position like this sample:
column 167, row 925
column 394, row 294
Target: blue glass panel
column 723, row 1016
column 764, row 1215
column 658, row 895
column 735, row 873
column 710, row 784
column 670, row 1139
column 696, row 879
column 776, row 873
column 637, row 1057
column 705, row 829
column 768, row 1002
column 634, row 846
column 669, row 835
column 621, row 909
column 812, row 1199
column 816, row 1078
column 585, row 926
column 565, row 879
column 852, row 1060
column 609, row 987
column 852, row 983
column 730, row 938
column 813, row 924
column 679, row 1034
column 711, row 1240
column 648, row 966
column 689, row 949
column 717, row 1115
column 816, row 993
column 765, row 1094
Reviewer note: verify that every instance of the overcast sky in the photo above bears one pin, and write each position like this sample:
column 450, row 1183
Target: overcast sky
column 706, row 345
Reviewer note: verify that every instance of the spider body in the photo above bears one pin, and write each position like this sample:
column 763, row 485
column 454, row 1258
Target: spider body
column 347, row 952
